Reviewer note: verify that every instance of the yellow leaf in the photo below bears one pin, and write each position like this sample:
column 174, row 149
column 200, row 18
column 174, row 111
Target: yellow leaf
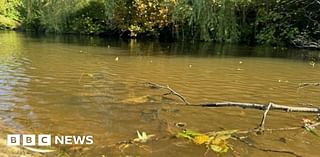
column 219, row 148
column 217, row 141
column 201, row 139
column 90, row 75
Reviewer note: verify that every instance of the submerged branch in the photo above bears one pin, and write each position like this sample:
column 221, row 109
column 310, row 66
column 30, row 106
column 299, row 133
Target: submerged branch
column 201, row 138
column 171, row 91
column 261, row 106
column 261, row 127
column 236, row 104
column 314, row 125
column 267, row 149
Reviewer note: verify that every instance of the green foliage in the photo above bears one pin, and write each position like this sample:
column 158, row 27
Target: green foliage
column 273, row 22
column 199, row 19
column 280, row 22
column 90, row 19
column 55, row 14
column 8, row 8
column 31, row 13
column 7, row 23
column 207, row 20
column 139, row 16
column 9, row 15
column 226, row 27
column 48, row 15
column 150, row 15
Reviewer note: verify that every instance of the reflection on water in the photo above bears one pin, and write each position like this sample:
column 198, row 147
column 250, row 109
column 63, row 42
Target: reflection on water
column 13, row 81
column 75, row 85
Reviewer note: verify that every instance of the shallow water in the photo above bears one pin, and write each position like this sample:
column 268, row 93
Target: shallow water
column 86, row 86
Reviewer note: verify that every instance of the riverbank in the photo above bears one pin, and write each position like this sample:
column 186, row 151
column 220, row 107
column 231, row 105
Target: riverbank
column 276, row 23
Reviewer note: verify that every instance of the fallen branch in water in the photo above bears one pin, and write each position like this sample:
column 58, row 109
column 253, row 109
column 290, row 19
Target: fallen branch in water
column 261, row 106
column 171, row 91
column 236, row 104
column 261, row 127
column 217, row 140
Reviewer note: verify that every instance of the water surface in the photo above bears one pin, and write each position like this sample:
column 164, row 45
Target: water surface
column 67, row 85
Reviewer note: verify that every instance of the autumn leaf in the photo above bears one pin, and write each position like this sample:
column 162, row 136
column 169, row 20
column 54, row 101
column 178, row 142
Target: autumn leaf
column 216, row 141
column 201, row 139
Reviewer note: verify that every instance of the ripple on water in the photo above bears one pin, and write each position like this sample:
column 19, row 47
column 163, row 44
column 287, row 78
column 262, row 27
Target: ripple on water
column 6, row 106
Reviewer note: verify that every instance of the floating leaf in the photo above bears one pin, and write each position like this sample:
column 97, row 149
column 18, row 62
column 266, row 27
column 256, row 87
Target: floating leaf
column 188, row 134
column 142, row 137
column 311, row 130
column 219, row 144
column 307, row 124
column 183, row 135
column 219, row 148
column 192, row 133
column 90, row 75
column 139, row 100
column 216, row 141
column 201, row 139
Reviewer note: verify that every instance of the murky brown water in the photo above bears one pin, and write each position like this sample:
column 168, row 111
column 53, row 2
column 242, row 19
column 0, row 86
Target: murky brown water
column 75, row 86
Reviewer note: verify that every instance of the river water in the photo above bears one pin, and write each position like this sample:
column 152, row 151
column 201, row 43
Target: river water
column 75, row 85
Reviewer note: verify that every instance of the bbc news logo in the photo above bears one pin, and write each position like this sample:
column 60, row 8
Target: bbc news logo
column 47, row 140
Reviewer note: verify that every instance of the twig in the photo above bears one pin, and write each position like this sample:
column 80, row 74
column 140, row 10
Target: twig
column 261, row 127
column 267, row 149
column 270, row 130
column 171, row 91
column 278, row 129
column 314, row 124
column 261, row 106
